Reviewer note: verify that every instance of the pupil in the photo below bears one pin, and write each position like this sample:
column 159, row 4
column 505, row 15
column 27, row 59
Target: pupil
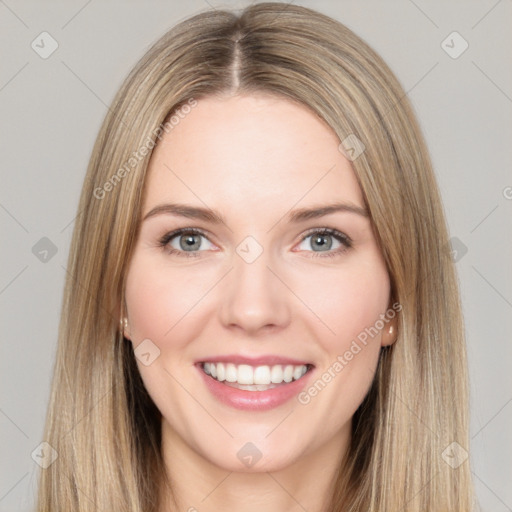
column 189, row 242
column 323, row 242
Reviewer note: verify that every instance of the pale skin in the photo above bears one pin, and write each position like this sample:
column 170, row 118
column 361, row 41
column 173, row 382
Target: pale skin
column 254, row 160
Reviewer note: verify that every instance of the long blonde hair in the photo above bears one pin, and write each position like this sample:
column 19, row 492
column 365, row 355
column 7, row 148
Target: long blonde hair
column 102, row 422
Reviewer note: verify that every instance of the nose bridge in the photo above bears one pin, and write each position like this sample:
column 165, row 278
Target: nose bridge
column 254, row 297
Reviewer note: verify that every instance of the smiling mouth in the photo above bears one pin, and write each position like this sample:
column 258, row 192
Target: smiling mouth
column 254, row 378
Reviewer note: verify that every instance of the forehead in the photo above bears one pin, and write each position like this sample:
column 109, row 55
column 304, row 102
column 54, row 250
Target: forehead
column 242, row 151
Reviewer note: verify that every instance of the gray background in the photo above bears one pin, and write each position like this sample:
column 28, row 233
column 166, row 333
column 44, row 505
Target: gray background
column 52, row 109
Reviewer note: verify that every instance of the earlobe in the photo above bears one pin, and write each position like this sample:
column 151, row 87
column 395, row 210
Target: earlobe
column 390, row 332
column 123, row 323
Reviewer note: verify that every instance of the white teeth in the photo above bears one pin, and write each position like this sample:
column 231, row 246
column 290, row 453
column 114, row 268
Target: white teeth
column 231, row 373
column 256, row 376
column 262, row 375
column 221, row 371
column 245, row 374
column 297, row 372
column 276, row 374
column 288, row 373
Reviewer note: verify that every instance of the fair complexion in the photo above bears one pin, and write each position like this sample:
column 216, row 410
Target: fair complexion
column 255, row 161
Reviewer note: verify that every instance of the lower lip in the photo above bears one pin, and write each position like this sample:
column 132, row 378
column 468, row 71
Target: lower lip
column 254, row 400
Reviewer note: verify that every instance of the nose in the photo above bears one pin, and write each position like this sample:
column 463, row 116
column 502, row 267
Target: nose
column 253, row 298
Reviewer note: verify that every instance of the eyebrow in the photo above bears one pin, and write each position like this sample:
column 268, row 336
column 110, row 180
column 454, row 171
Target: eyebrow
column 213, row 217
column 314, row 212
column 183, row 210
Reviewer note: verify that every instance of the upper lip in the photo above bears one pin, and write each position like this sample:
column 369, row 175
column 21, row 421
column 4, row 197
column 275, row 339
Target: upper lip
column 264, row 360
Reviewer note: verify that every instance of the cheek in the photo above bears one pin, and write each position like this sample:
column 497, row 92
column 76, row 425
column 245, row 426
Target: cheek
column 158, row 298
column 350, row 304
column 346, row 301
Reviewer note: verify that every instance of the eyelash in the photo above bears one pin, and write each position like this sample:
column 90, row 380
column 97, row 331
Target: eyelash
column 164, row 241
column 338, row 235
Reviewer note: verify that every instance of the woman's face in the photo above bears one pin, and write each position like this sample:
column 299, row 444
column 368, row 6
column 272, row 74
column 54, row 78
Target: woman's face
column 275, row 277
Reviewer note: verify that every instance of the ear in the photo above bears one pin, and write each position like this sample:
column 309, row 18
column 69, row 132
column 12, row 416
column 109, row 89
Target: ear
column 123, row 320
column 124, row 327
column 390, row 332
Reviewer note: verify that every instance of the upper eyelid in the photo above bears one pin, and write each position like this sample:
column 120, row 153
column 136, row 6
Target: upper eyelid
column 329, row 231
column 170, row 235
column 336, row 233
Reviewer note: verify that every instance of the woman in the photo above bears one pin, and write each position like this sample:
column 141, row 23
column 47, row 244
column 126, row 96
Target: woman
column 261, row 312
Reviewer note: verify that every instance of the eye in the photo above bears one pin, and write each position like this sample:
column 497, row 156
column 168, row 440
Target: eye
column 186, row 242
column 325, row 240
